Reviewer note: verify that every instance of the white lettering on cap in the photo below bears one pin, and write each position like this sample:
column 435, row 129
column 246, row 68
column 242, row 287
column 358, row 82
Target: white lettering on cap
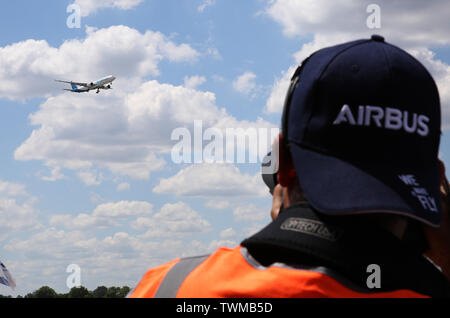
column 388, row 118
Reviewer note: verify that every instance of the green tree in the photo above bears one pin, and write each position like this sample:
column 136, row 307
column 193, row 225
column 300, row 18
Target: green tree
column 79, row 292
column 124, row 291
column 44, row 292
column 113, row 292
column 100, row 292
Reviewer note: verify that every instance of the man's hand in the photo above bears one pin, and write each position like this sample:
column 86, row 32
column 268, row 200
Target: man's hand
column 439, row 238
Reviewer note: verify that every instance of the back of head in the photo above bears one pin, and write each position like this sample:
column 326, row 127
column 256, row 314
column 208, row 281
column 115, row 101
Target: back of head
column 362, row 124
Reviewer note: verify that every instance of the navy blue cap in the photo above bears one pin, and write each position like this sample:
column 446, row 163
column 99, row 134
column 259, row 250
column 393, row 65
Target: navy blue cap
column 363, row 127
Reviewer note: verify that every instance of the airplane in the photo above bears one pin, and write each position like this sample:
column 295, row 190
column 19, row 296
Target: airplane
column 103, row 83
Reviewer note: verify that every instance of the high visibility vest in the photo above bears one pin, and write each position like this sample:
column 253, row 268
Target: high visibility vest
column 232, row 273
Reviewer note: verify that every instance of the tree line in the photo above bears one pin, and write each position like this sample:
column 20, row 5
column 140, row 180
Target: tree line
column 78, row 292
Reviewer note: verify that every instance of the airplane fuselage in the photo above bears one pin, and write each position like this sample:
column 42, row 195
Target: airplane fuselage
column 103, row 83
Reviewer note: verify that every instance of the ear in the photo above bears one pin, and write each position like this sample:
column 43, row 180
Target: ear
column 286, row 171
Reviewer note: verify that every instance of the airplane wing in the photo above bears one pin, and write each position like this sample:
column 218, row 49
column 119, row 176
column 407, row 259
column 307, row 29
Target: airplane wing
column 76, row 83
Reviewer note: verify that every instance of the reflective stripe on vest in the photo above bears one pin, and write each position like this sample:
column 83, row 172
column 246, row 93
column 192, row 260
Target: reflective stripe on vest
column 176, row 275
column 234, row 273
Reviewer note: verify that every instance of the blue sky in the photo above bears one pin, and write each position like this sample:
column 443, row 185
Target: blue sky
column 88, row 179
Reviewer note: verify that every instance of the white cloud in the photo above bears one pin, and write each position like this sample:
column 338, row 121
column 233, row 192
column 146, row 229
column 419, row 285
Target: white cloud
column 275, row 102
column 43, row 257
column 173, row 220
column 28, row 68
column 413, row 22
column 90, row 178
column 228, row 233
column 116, row 131
column 123, row 186
column 215, row 244
column 123, row 209
column 104, row 215
column 113, row 132
column 414, row 26
column 205, row 4
column 55, row 174
column 245, row 83
column 89, row 7
column 80, row 221
column 212, row 180
column 217, row 204
column 214, row 53
column 17, row 210
column 441, row 74
column 12, row 189
column 249, row 213
column 16, row 217
column 96, row 198
column 194, row 81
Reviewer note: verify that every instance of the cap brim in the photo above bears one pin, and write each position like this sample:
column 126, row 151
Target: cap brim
column 334, row 186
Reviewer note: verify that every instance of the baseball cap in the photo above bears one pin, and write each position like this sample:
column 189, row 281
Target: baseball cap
column 362, row 122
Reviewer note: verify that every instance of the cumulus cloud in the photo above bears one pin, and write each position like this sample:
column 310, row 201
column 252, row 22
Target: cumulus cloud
column 17, row 210
column 245, row 83
column 415, row 26
column 123, row 186
column 173, row 220
column 122, row 133
column 212, row 180
column 249, row 213
column 205, row 4
column 194, row 81
column 405, row 23
column 12, row 189
column 89, row 178
column 42, row 257
column 217, row 204
column 16, row 216
column 123, row 209
column 55, row 173
column 125, row 133
column 104, row 215
column 81, row 221
column 275, row 102
column 228, row 233
column 89, row 7
column 28, row 68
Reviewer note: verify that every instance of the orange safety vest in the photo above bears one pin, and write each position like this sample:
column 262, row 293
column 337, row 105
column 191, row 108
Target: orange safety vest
column 232, row 273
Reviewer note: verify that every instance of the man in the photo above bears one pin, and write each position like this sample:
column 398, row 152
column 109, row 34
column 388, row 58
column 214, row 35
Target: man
column 359, row 184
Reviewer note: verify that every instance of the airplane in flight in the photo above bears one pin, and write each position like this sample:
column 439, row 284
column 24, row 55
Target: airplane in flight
column 103, row 83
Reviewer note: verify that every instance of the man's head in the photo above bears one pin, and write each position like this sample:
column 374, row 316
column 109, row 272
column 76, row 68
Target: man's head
column 361, row 132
